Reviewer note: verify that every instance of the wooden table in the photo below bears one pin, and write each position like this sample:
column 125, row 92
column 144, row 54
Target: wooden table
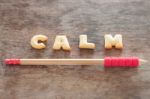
column 22, row 19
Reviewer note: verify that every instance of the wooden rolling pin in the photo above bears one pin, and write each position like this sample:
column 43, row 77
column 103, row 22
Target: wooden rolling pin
column 107, row 61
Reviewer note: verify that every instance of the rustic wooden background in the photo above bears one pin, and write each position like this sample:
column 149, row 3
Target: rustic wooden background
column 21, row 19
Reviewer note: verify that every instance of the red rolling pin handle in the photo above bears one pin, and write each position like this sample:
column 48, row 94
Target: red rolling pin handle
column 12, row 61
column 121, row 62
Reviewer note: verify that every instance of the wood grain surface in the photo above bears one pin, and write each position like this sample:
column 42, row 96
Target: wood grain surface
column 22, row 19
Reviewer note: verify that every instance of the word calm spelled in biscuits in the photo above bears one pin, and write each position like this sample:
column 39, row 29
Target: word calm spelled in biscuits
column 61, row 42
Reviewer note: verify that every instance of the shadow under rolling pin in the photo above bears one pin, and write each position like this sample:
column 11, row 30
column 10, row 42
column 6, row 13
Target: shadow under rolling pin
column 106, row 62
